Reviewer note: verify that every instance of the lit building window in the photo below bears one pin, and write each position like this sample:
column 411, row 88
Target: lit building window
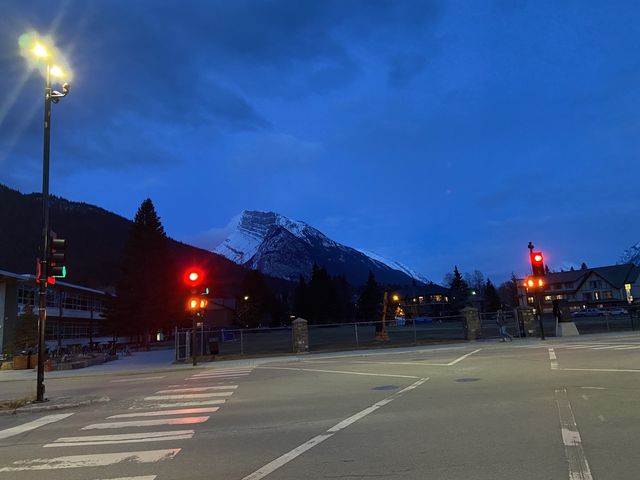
column 608, row 295
column 547, row 298
column 530, row 300
column 420, row 299
column 596, row 295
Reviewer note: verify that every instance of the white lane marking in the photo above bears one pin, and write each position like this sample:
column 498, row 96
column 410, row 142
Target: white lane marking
column 628, row 347
column 576, row 459
column 339, row 371
column 459, row 359
column 585, row 397
column 593, row 388
column 296, row 452
column 121, row 438
column 553, row 359
column 183, row 411
column 629, row 370
column 413, row 364
column 143, row 477
column 601, row 418
column 198, row 389
column 26, row 427
column 186, row 396
column 147, row 423
column 185, row 404
column 93, row 460
column 136, row 379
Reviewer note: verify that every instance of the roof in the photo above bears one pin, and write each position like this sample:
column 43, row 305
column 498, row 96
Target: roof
column 26, row 277
column 426, row 290
column 616, row 275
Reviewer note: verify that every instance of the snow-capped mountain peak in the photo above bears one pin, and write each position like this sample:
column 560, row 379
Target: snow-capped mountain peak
column 631, row 255
column 287, row 248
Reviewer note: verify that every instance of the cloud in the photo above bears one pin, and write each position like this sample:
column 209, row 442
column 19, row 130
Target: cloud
column 214, row 236
column 274, row 151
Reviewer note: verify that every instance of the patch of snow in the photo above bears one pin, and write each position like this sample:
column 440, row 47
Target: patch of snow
column 394, row 265
column 631, row 255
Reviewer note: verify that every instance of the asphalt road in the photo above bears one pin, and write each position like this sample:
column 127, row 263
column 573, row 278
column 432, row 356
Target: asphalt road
column 488, row 410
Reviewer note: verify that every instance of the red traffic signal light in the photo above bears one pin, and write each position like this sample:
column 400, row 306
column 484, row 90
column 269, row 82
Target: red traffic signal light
column 193, row 276
column 537, row 264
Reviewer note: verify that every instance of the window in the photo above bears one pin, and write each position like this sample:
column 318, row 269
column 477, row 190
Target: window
column 547, row 298
column 607, row 294
column 421, row 299
column 568, row 286
column 530, row 300
column 437, row 298
column 560, row 297
column 596, row 295
column 26, row 295
column 586, row 296
column 595, row 284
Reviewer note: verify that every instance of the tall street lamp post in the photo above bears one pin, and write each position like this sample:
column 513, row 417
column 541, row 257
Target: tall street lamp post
column 44, row 54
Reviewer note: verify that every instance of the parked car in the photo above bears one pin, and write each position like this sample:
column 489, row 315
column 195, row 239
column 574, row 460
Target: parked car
column 588, row 312
column 617, row 311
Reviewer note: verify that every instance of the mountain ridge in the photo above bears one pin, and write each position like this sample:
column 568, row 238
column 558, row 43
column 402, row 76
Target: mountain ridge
column 285, row 248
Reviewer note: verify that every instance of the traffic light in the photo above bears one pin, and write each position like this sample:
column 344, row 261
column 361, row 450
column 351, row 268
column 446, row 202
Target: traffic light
column 57, row 258
column 193, row 277
column 537, row 264
column 195, row 304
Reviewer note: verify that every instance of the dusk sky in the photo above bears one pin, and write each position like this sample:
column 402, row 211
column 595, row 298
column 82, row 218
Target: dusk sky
column 432, row 133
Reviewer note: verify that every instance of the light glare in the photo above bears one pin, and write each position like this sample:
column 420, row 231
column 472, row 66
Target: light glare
column 56, row 71
column 39, row 50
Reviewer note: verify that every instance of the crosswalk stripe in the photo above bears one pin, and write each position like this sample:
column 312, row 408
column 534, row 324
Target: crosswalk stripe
column 25, row 427
column 221, row 374
column 186, row 396
column 138, row 379
column 92, row 460
column 207, row 377
column 628, row 347
column 121, row 438
column 147, row 423
column 198, row 389
column 187, row 404
column 143, row 477
column 184, row 411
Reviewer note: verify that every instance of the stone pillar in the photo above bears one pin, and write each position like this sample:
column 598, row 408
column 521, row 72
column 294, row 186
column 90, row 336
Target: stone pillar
column 528, row 321
column 471, row 322
column 300, row 334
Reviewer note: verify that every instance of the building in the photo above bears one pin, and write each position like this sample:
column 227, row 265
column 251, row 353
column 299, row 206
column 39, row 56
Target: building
column 430, row 300
column 601, row 287
column 75, row 314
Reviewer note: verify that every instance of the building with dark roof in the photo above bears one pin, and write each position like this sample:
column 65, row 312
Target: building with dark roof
column 601, row 287
column 75, row 314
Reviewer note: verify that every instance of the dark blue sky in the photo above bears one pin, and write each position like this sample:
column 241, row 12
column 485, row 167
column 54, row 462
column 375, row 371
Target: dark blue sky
column 433, row 133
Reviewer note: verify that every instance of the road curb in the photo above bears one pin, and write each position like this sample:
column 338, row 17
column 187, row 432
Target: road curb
column 56, row 404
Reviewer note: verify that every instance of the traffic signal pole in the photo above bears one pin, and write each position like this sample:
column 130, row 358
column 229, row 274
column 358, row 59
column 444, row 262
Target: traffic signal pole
column 44, row 254
column 193, row 339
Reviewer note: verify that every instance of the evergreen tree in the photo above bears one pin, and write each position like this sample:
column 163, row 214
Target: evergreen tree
column 370, row 299
column 546, row 270
column 583, row 266
column 491, row 299
column 146, row 292
column 254, row 304
column 301, row 299
column 459, row 291
column 508, row 291
column 322, row 296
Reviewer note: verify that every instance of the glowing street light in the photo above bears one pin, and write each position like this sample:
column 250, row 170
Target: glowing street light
column 40, row 54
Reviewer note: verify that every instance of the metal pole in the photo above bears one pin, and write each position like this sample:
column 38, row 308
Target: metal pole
column 193, row 339
column 44, row 254
column 415, row 333
column 241, row 343
column 357, row 341
column 202, row 338
column 539, row 295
